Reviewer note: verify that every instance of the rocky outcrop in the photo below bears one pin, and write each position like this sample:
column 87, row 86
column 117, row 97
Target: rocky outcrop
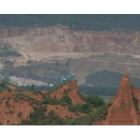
column 125, row 105
column 16, row 105
column 70, row 89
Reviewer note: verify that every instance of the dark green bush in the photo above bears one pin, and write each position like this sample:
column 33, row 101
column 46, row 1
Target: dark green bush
column 66, row 99
column 84, row 108
column 94, row 101
column 39, row 117
column 102, row 112
column 135, row 100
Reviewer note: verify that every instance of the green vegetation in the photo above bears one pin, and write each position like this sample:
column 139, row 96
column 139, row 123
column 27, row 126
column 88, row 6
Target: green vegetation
column 83, row 108
column 7, row 104
column 108, row 79
column 20, row 96
column 4, row 85
column 91, row 117
column 39, row 117
column 104, row 83
column 100, row 91
column 93, row 100
column 94, row 109
column 135, row 100
column 64, row 101
column 84, row 22
column 106, row 98
column 50, row 73
column 8, row 51
column 101, row 113
column 19, row 114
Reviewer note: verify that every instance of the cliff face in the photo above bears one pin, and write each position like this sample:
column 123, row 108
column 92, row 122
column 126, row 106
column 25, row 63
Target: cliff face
column 41, row 42
column 60, row 43
column 125, row 105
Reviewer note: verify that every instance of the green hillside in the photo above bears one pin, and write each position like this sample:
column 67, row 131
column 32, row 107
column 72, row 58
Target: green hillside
column 88, row 22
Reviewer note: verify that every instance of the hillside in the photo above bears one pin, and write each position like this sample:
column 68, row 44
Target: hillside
column 27, row 52
column 62, row 106
column 75, row 21
column 104, row 83
column 66, row 106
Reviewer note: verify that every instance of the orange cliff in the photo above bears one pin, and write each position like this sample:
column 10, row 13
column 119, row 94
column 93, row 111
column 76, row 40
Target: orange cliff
column 125, row 106
column 70, row 89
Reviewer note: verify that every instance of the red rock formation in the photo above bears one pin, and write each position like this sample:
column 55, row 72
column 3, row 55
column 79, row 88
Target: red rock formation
column 12, row 110
column 70, row 89
column 124, row 110
column 37, row 96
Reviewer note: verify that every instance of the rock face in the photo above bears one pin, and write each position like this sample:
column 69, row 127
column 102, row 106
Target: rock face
column 70, row 89
column 40, row 42
column 125, row 105
column 60, row 43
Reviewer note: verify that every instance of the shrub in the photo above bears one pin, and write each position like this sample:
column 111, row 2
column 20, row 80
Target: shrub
column 88, row 119
column 102, row 112
column 39, row 117
column 135, row 100
column 66, row 100
column 94, row 101
column 84, row 108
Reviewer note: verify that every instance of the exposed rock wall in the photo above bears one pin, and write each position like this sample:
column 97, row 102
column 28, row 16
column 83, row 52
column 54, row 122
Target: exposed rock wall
column 70, row 89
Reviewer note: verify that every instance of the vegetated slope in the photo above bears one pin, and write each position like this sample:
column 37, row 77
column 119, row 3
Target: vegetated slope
column 110, row 62
column 104, row 83
column 16, row 105
column 60, row 107
column 92, row 21
column 108, row 79
column 125, row 105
